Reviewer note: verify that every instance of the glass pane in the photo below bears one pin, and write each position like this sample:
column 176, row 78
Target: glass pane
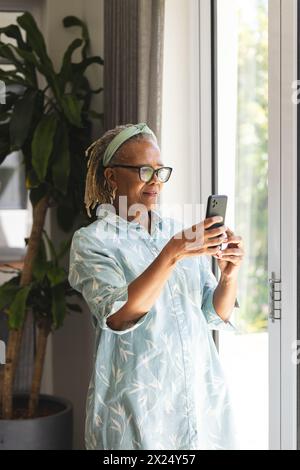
column 242, row 161
column 15, row 210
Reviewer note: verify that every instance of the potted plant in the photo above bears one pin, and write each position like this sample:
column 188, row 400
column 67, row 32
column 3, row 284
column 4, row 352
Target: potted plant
column 47, row 116
column 48, row 298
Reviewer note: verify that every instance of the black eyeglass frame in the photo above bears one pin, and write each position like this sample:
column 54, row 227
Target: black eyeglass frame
column 146, row 166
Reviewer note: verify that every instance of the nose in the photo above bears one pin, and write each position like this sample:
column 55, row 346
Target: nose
column 155, row 178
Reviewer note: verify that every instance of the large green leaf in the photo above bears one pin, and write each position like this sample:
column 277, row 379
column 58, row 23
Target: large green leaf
column 81, row 67
column 10, row 100
column 8, row 291
column 29, row 57
column 34, row 36
column 23, row 63
column 51, row 247
column 79, row 80
column 42, row 145
column 4, row 141
column 40, row 264
column 11, row 77
column 72, row 109
column 66, row 69
column 58, row 305
column 17, row 308
column 56, row 275
column 21, row 119
column 70, row 21
column 61, row 161
column 7, row 52
column 31, row 63
column 28, row 60
column 38, row 192
column 37, row 43
column 40, row 269
column 32, row 180
column 4, row 117
column 13, row 31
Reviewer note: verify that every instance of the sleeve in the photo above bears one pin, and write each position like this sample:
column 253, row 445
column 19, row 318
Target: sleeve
column 97, row 275
column 209, row 283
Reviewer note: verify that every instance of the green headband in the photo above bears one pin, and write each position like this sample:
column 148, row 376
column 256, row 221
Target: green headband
column 124, row 135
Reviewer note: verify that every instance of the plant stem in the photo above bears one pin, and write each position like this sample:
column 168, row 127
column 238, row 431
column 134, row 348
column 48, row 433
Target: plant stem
column 44, row 329
column 15, row 336
column 1, row 382
column 12, row 352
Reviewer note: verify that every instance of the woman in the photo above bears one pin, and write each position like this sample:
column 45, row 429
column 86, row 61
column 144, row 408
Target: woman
column 157, row 381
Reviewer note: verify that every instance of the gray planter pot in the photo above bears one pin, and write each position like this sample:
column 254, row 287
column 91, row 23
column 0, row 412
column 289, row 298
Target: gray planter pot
column 53, row 432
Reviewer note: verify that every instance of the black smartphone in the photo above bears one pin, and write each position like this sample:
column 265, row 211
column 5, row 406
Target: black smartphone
column 216, row 205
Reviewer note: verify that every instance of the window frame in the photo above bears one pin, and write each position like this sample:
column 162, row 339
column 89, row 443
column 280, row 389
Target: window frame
column 16, row 254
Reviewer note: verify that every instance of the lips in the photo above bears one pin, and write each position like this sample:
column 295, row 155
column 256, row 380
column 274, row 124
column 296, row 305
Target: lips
column 151, row 192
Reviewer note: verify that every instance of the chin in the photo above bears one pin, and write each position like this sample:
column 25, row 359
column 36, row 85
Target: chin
column 151, row 205
column 150, row 201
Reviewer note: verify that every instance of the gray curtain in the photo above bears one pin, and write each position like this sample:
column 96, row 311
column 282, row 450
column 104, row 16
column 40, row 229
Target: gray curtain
column 133, row 62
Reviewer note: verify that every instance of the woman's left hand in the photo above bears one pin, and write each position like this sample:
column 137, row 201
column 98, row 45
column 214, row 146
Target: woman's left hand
column 230, row 259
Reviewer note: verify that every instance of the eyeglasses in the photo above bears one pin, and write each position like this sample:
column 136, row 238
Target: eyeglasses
column 146, row 172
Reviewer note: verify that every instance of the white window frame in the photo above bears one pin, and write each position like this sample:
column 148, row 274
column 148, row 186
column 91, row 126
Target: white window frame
column 283, row 138
column 201, row 99
column 35, row 8
column 289, row 32
column 21, row 5
column 283, row 221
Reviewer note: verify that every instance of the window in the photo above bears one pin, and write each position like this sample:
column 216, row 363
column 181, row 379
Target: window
column 15, row 209
column 241, row 96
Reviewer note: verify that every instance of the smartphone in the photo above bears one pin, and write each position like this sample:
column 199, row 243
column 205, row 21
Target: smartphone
column 216, row 205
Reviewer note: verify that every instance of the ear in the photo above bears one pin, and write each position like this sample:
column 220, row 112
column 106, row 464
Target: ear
column 110, row 175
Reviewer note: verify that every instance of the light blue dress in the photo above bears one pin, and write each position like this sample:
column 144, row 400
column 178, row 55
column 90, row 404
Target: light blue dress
column 159, row 383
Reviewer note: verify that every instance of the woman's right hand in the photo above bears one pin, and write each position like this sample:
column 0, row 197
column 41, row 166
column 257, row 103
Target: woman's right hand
column 199, row 239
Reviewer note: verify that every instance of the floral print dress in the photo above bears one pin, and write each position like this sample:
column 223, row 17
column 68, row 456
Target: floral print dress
column 159, row 383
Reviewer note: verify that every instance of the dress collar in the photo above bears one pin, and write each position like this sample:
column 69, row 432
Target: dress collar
column 107, row 212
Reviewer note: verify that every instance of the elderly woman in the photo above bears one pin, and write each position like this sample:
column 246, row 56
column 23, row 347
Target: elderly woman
column 157, row 381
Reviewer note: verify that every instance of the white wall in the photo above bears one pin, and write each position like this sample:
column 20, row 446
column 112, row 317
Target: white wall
column 182, row 144
column 175, row 147
column 58, row 37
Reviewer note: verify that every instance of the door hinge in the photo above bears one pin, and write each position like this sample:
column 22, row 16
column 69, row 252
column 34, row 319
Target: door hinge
column 275, row 298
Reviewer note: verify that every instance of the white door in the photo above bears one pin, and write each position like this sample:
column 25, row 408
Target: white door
column 242, row 121
column 255, row 156
column 283, row 36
